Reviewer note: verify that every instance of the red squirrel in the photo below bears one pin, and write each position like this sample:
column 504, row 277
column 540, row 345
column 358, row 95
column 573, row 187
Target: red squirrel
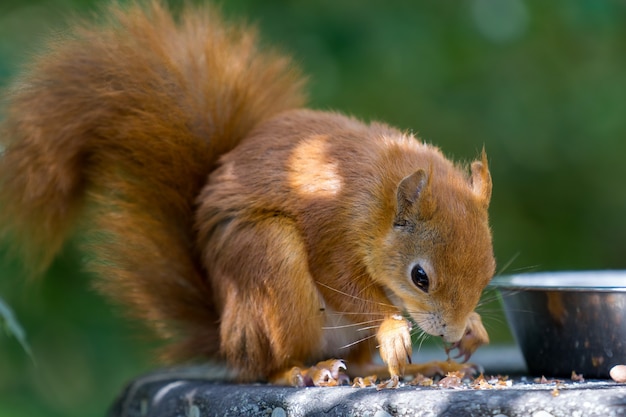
column 235, row 222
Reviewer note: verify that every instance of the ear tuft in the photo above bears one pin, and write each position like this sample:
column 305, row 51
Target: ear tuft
column 412, row 186
column 414, row 196
column 481, row 179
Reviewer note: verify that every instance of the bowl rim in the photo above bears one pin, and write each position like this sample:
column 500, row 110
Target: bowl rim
column 597, row 281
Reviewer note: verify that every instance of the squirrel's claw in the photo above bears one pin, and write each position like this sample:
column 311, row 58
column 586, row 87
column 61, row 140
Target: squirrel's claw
column 394, row 338
column 334, row 366
column 323, row 374
column 393, row 382
column 462, row 352
column 464, row 355
column 327, row 374
column 474, row 337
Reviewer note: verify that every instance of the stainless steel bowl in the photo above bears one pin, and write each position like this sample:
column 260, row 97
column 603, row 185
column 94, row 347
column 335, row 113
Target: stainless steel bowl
column 567, row 321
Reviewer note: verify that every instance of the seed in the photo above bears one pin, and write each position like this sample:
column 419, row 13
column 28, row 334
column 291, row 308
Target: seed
column 618, row 373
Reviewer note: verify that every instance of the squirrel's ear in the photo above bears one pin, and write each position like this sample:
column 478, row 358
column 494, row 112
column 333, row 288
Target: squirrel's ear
column 414, row 196
column 481, row 179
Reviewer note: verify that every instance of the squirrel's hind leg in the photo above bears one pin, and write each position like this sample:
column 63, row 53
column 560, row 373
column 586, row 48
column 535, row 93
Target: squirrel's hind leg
column 270, row 309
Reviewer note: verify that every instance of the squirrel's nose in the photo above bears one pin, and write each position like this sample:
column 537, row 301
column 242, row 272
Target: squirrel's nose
column 452, row 334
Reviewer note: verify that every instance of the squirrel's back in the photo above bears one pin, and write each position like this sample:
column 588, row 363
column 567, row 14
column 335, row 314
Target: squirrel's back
column 125, row 119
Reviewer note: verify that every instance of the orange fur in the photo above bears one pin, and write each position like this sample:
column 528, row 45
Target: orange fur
column 237, row 224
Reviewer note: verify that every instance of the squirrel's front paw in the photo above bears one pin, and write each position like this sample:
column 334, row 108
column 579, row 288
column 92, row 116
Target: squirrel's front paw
column 327, row 373
column 474, row 337
column 394, row 339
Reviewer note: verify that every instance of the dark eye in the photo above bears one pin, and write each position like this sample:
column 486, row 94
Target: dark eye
column 420, row 278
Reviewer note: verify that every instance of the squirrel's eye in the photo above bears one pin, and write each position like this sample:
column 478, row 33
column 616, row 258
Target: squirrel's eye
column 420, row 278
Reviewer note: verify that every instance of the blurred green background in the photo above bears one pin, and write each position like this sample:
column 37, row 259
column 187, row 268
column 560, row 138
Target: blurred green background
column 542, row 85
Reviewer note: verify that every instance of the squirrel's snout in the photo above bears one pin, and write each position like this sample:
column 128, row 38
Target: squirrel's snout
column 452, row 334
column 436, row 325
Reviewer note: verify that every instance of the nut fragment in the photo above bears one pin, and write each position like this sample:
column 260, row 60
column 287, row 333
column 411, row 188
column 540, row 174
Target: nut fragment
column 368, row 381
column 422, row 381
column 577, row 377
column 452, row 380
column 618, row 373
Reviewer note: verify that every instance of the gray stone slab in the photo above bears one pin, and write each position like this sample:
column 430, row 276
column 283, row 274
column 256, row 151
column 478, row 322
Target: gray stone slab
column 194, row 392
column 196, row 398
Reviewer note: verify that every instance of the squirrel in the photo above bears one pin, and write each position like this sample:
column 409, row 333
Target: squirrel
column 236, row 223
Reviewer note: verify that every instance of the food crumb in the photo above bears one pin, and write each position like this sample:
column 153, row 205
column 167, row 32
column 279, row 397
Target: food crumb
column 452, row 380
column 422, row 381
column 544, row 380
column 576, row 377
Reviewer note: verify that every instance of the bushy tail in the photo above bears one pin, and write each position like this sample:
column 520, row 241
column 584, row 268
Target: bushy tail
column 114, row 130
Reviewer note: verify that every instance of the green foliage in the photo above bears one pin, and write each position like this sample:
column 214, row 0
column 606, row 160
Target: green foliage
column 12, row 327
column 539, row 83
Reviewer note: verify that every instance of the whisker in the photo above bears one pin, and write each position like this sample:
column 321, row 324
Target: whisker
column 489, row 299
column 507, row 264
column 345, row 326
column 355, row 297
column 353, row 313
column 366, row 287
column 493, row 319
column 526, row 268
column 416, row 313
column 490, row 312
column 358, row 341
column 367, row 328
column 421, row 339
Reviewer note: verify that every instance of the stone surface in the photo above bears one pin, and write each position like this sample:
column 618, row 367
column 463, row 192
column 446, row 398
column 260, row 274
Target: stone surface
column 195, row 398
column 188, row 392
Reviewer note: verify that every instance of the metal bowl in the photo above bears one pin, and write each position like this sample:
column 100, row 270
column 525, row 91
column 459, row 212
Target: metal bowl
column 567, row 321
